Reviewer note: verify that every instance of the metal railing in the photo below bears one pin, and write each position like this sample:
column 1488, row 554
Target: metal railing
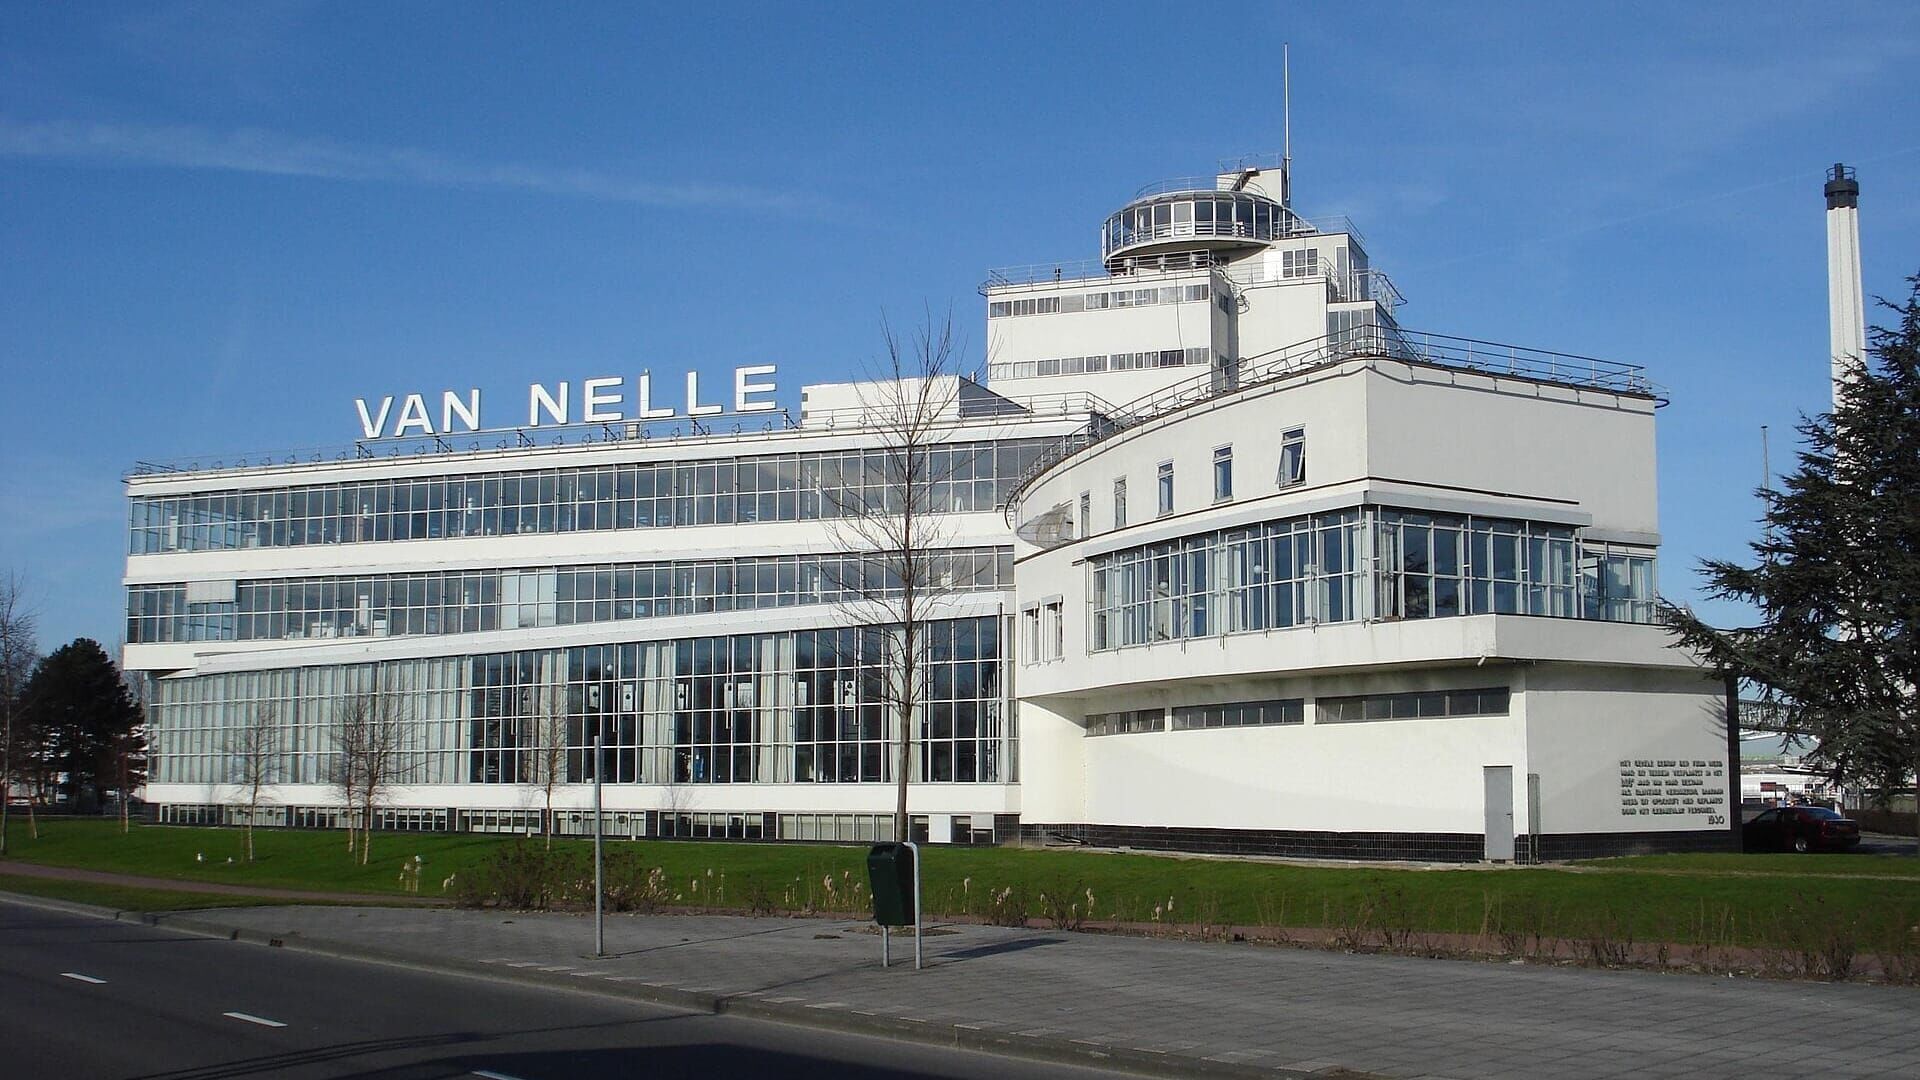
column 1172, row 262
column 1359, row 343
column 764, row 426
column 1185, row 262
column 1175, row 185
column 1372, row 285
column 492, row 440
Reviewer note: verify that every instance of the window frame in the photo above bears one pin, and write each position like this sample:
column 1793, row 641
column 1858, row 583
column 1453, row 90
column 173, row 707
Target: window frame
column 1291, row 438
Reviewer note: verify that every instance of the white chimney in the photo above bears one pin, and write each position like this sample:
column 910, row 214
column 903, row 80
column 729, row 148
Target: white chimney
column 1846, row 313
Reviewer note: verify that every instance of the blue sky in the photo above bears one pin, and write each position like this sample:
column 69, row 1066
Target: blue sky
column 221, row 224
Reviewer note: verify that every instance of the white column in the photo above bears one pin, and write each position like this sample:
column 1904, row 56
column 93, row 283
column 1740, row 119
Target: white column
column 1846, row 312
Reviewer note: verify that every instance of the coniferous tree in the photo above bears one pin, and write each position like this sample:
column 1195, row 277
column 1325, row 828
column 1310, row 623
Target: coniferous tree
column 89, row 732
column 1836, row 578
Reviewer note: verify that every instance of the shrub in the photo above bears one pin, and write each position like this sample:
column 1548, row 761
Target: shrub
column 1007, row 906
column 519, row 875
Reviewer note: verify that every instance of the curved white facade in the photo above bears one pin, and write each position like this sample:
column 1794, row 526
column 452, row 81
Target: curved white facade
column 1230, row 561
column 1416, row 476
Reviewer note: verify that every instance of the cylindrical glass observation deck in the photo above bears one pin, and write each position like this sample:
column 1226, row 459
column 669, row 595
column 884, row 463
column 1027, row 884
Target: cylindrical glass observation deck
column 1192, row 215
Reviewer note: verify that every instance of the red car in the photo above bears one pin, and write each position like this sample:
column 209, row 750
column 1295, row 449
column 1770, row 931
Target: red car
column 1800, row 828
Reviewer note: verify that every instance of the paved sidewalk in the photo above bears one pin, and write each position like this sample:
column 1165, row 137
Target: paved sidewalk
column 1174, row 1005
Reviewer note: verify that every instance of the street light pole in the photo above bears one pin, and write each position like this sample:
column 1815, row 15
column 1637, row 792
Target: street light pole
column 599, row 906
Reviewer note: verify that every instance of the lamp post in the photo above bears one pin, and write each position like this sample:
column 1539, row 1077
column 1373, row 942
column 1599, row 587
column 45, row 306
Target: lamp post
column 599, row 906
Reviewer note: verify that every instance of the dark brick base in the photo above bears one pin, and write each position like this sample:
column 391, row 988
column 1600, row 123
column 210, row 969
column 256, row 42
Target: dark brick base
column 1424, row 847
column 1605, row 845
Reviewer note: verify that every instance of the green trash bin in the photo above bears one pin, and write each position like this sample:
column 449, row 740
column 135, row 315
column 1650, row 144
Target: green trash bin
column 890, row 871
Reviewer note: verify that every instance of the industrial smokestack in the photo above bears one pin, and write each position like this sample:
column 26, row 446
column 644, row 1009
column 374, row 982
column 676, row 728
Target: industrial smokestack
column 1846, row 313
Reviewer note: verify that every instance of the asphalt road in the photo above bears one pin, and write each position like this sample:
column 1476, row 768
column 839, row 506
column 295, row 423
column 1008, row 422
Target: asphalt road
column 88, row 999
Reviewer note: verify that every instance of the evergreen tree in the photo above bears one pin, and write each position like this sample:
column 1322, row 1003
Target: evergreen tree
column 88, row 731
column 1836, row 580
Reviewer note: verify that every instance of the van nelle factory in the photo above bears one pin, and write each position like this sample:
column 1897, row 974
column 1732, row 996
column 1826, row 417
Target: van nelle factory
column 1318, row 584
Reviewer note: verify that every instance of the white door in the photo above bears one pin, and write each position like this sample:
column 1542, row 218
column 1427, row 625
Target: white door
column 1499, row 782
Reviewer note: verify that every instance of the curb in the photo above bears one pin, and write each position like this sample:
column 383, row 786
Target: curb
column 1040, row 1048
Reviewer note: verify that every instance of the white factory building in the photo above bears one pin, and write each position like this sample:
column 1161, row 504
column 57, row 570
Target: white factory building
column 1231, row 562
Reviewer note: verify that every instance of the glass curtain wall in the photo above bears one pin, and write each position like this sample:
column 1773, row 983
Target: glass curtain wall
column 810, row 706
column 465, row 601
column 781, row 487
column 1350, row 565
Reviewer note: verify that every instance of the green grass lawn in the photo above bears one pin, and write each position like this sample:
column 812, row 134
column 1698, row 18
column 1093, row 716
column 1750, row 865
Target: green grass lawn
column 1849, row 865
column 121, row 898
column 1681, row 898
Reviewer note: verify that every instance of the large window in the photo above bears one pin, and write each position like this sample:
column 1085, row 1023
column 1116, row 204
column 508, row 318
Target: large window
column 1435, row 565
column 1268, row 576
column 968, row 477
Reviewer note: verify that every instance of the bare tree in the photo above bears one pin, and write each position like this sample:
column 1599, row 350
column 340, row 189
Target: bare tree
column 370, row 755
column 129, row 749
column 548, row 766
column 893, row 524
column 254, row 758
column 385, row 761
column 17, row 650
column 351, row 720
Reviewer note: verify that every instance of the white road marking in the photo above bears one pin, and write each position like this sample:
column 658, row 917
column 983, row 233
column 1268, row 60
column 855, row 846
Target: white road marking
column 251, row 1019
column 77, row 977
column 493, row 1075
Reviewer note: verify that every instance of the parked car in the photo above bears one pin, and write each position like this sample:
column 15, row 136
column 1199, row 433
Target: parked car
column 1800, row 828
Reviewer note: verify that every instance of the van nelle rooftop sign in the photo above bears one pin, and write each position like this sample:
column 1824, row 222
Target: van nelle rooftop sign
column 606, row 400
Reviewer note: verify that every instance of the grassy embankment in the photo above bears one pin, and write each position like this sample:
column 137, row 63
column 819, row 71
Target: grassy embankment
column 1718, row 900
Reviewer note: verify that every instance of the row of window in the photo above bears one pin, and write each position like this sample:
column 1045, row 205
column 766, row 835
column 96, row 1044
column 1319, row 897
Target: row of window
column 1349, row 565
column 1098, row 301
column 811, row 706
column 1200, row 356
column 1292, row 470
column 731, row 825
column 1222, row 213
column 1126, row 722
column 966, row 477
column 1430, row 704
column 1239, row 714
column 454, row 601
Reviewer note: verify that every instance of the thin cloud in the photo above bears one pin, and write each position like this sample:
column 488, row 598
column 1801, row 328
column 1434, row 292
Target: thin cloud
column 269, row 153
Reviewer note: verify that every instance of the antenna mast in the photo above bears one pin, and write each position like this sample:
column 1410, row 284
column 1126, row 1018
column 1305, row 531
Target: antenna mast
column 1286, row 124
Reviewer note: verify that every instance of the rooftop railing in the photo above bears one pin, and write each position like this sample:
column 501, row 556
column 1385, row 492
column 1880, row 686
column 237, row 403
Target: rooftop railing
column 1372, row 285
column 1174, row 185
column 981, row 410
column 1359, row 343
column 1172, row 262
column 1184, row 262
